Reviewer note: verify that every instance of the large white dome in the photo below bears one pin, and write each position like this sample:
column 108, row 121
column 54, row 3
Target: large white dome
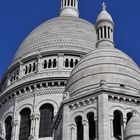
column 59, row 34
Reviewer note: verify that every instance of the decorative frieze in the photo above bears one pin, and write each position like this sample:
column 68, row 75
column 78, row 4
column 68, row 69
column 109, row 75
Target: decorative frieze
column 126, row 100
column 49, row 87
column 82, row 103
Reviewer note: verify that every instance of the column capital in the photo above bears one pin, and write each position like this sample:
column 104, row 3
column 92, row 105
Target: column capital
column 34, row 116
column 31, row 137
column 85, row 122
column 14, row 122
column 73, row 125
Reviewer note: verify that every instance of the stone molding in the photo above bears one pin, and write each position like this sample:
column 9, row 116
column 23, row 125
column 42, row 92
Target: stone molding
column 124, row 100
column 82, row 103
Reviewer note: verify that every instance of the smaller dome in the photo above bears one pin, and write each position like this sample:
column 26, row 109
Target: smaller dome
column 104, row 15
column 132, row 131
column 108, row 64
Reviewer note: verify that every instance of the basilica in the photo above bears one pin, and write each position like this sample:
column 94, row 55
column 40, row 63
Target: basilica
column 68, row 81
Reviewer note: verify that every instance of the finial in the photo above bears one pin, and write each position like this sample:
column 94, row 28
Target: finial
column 104, row 6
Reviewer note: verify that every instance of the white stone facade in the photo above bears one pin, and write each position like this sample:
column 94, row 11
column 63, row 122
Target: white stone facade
column 94, row 102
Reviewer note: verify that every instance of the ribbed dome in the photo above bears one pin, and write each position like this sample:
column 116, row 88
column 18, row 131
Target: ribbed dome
column 61, row 33
column 132, row 131
column 108, row 64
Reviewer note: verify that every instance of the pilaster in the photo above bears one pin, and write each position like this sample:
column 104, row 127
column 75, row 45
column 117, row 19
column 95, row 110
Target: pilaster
column 86, row 129
column 73, row 129
column 60, row 61
column 65, row 129
column 39, row 63
column 103, row 118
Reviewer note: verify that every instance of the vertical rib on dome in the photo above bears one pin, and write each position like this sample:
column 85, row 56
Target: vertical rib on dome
column 69, row 8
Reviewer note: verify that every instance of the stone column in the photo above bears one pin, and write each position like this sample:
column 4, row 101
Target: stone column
column 8, row 79
column 69, row 2
column 99, row 33
column 15, row 122
column 1, row 131
column 124, row 122
column 73, row 129
column 86, row 129
column 21, row 70
column 111, row 127
column 60, row 61
column 106, row 31
column 96, row 127
column 66, row 2
column 39, row 63
column 103, row 31
column 34, row 126
column 122, row 128
column 15, row 126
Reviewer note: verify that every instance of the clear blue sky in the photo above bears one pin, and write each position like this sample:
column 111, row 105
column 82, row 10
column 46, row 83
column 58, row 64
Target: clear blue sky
column 19, row 17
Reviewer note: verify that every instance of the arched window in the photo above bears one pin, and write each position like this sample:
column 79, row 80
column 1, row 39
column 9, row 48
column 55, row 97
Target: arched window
column 76, row 62
column 108, row 32
column 62, row 83
column 90, row 117
column 129, row 115
column 50, row 84
column 46, row 120
column 50, row 63
column 14, row 76
column 71, row 2
column 34, row 66
column 45, row 64
column 54, row 63
column 98, row 37
column 71, row 63
column 118, row 124
column 26, row 70
column 80, row 130
column 56, row 84
column 65, row 3
column 30, row 68
column 67, row 63
column 68, row 2
column 8, row 128
column 25, row 124
column 101, row 32
column 105, row 33
column 17, row 75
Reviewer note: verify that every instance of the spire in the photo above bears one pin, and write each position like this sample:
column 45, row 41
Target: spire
column 104, row 28
column 69, row 8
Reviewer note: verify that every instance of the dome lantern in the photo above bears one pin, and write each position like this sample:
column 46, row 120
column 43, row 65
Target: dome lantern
column 104, row 28
column 69, row 8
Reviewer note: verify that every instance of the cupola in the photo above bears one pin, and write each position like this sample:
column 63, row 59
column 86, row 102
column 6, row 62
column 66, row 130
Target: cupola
column 104, row 28
column 132, row 131
column 69, row 8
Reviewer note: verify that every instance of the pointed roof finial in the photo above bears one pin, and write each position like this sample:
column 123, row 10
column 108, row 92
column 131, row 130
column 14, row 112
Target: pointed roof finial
column 104, row 6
